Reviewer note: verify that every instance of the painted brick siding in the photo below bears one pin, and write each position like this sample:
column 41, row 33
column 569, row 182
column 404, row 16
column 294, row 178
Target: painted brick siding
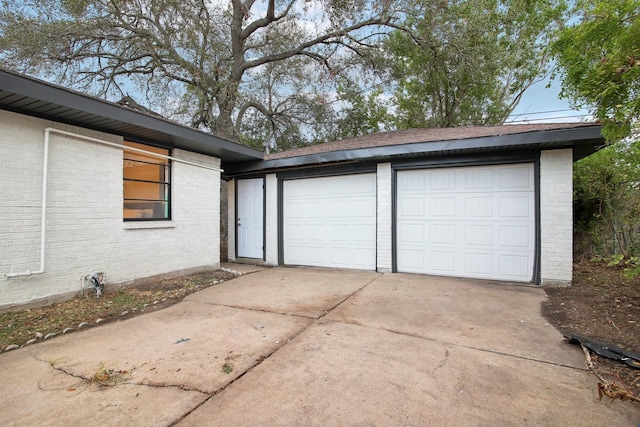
column 556, row 215
column 231, row 220
column 271, row 232
column 384, row 218
column 85, row 229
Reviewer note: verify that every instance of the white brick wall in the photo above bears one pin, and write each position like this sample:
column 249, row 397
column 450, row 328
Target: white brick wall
column 384, row 218
column 556, row 215
column 231, row 220
column 271, row 232
column 85, row 230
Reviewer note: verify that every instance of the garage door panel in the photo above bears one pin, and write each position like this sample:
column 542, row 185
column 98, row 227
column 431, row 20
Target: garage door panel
column 516, row 177
column 295, row 232
column 315, row 232
column 411, row 232
column 515, row 206
column 478, row 179
column 478, row 263
column 364, row 234
column 364, row 207
column 440, row 180
column 478, row 206
column 295, row 211
column 442, row 206
column 340, row 232
column 443, row 261
column 334, row 221
column 411, row 183
column 515, row 236
column 513, row 265
column 409, row 207
column 483, row 227
column 478, row 235
column 360, row 184
column 411, row 260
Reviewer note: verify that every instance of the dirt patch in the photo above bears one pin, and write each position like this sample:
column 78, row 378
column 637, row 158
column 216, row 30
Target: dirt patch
column 602, row 305
column 36, row 324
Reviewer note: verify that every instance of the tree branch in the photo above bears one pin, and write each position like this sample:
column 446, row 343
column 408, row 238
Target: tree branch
column 269, row 18
column 318, row 40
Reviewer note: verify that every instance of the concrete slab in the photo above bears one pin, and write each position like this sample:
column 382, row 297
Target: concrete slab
column 185, row 346
column 392, row 350
column 309, row 292
column 342, row 374
column 242, row 268
column 495, row 317
column 34, row 394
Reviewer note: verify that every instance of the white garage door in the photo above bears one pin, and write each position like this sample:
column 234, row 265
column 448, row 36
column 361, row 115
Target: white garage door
column 467, row 222
column 330, row 221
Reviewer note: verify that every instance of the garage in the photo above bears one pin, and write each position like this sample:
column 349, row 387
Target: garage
column 476, row 222
column 330, row 221
column 482, row 202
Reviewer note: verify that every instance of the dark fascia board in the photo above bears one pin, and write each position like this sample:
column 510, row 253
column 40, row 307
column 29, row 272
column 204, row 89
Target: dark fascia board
column 168, row 133
column 588, row 138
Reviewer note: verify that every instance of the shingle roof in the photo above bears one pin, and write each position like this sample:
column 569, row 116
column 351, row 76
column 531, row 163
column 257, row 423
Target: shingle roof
column 414, row 136
column 583, row 138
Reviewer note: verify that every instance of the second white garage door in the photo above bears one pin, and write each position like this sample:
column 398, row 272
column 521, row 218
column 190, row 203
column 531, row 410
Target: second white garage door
column 474, row 222
column 330, row 221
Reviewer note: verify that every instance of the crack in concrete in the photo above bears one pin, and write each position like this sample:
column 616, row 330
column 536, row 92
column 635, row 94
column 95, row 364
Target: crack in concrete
column 260, row 310
column 261, row 360
column 348, row 296
column 89, row 380
column 302, row 316
column 484, row 350
column 442, row 363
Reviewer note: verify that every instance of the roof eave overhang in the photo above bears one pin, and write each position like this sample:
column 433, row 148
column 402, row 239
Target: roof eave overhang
column 36, row 98
column 584, row 139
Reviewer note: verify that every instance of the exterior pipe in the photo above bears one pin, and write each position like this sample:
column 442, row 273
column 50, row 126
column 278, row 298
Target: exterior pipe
column 45, row 169
column 125, row 148
column 43, row 220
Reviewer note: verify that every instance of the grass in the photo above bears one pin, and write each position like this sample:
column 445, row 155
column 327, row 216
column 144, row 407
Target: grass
column 32, row 325
column 107, row 376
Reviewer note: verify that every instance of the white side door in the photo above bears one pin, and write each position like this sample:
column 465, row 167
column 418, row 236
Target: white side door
column 250, row 219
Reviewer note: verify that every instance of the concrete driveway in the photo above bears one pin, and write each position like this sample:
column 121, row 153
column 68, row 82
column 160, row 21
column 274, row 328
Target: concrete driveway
column 304, row 346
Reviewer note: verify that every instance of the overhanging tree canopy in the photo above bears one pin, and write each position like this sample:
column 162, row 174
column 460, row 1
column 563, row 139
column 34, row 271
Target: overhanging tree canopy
column 201, row 51
column 599, row 61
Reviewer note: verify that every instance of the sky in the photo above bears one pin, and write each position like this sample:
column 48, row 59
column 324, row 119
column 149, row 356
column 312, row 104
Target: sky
column 540, row 104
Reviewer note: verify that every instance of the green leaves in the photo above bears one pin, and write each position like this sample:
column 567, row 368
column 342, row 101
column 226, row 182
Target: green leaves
column 607, row 199
column 467, row 62
column 599, row 60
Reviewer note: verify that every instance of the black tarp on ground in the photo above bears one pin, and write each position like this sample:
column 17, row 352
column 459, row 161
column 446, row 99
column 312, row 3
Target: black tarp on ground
column 606, row 350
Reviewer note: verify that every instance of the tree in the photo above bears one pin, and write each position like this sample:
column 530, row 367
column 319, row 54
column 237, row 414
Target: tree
column 607, row 200
column 599, row 61
column 198, row 57
column 292, row 109
column 366, row 111
column 468, row 62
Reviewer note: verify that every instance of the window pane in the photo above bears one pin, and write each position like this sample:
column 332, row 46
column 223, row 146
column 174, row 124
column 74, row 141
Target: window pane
column 144, row 191
column 140, row 209
column 144, row 171
column 131, row 155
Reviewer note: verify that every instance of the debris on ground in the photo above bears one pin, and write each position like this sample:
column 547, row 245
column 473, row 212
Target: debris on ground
column 606, row 350
column 33, row 325
column 604, row 305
